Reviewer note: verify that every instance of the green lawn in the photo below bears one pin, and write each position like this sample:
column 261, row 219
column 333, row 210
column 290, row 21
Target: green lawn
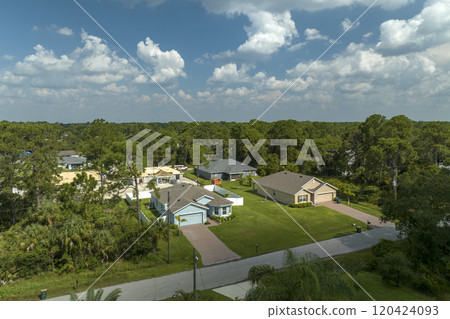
column 122, row 272
column 383, row 291
column 365, row 207
column 190, row 174
column 265, row 224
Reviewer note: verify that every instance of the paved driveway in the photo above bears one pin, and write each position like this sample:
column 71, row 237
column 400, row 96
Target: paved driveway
column 357, row 214
column 211, row 249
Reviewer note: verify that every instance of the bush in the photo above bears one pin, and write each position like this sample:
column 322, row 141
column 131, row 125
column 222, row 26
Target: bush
column 300, row 205
column 431, row 283
column 383, row 248
column 395, row 268
column 220, row 220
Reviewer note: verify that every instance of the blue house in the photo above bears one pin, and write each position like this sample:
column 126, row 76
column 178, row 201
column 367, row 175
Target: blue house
column 191, row 203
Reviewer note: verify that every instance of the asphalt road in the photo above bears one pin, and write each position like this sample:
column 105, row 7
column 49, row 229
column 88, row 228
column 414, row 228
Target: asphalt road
column 236, row 271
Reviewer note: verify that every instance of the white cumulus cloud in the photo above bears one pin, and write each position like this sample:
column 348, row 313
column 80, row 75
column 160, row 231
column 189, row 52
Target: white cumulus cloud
column 230, row 73
column 65, row 31
column 431, row 27
column 268, row 32
column 166, row 65
column 314, row 34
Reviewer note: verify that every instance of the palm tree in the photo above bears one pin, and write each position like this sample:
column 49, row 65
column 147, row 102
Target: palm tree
column 303, row 278
column 180, row 220
column 157, row 232
column 91, row 295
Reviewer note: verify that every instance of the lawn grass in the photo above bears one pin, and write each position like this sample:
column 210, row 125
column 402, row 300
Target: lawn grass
column 265, row 224
column 382, row 291
column 191, row 175
column 365, row 208
column 122, row 272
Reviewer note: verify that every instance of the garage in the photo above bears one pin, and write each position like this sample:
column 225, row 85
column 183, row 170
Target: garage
column 327, row 197
column 191, row 219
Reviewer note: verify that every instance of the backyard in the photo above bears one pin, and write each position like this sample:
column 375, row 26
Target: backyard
column 263, row 223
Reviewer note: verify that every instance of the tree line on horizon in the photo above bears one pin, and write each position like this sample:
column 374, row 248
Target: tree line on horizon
column 44, row 227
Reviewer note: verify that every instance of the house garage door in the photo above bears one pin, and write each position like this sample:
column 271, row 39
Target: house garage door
column 324, row 197
column 191, row 219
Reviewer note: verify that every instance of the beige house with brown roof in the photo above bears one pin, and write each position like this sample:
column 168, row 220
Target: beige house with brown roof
column 288, row 187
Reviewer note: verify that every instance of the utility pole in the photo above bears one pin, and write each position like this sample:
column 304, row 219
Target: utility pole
column 195, row 273
column 168, row 227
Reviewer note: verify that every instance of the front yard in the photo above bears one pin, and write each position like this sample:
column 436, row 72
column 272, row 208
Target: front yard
column 265, row 224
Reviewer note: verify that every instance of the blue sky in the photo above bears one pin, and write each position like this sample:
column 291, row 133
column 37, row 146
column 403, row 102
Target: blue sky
column 223, row 60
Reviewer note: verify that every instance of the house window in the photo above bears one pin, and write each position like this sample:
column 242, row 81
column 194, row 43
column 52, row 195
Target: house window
column 216, row 211
column 273, row 192
column 224, row 210
column 302, row 198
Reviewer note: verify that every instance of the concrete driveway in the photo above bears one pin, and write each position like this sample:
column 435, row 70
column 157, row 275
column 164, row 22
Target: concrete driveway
column 211, row 249
column 357, row 214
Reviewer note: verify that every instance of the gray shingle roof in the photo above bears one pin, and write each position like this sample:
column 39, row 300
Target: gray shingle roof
column 228, row 166
column 67, row 153
column 287, row 182
column 72, row 160
column 185, row 194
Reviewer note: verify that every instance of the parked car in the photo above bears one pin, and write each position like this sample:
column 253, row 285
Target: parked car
column 180, row 167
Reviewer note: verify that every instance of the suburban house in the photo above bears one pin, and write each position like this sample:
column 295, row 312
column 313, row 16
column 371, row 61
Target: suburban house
column 70, row 160
column 192, row 204
column 163, row 175
column 288, row 187
column 226, row 169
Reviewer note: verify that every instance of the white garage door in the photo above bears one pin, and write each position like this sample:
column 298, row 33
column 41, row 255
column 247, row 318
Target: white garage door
column 324, row 197
column 191, row 219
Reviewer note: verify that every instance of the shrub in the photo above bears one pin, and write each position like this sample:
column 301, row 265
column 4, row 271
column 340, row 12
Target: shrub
column 427, row 281
column 395, row 268
column 220, row 220
column 383, row 248
column 300, row 205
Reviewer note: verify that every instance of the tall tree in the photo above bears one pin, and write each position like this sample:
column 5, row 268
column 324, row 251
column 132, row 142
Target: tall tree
column 40, row 158
column 422, row 214
column 105, row 151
